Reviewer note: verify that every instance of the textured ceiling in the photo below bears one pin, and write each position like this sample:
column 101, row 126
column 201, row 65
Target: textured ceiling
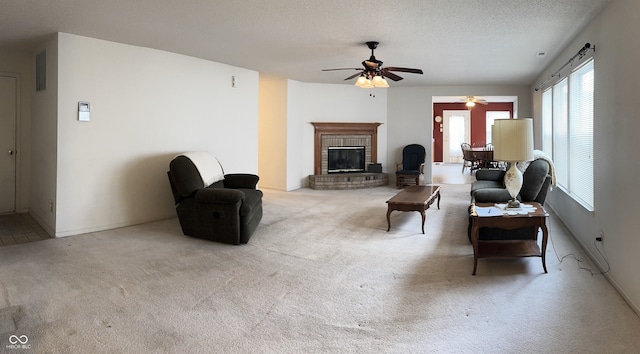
column 455, row 42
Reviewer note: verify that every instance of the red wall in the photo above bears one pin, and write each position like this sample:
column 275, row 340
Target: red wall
column 478, row 122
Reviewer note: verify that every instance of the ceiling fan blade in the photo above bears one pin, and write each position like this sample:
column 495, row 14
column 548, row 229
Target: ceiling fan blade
column 353, row 76
column 472, row 99
column 373, row 67
column 404, row 70
column 390, row 75
column 342, row 69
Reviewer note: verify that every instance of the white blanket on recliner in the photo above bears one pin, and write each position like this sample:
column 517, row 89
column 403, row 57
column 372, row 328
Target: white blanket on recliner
column 539, row 154
column 208, row 166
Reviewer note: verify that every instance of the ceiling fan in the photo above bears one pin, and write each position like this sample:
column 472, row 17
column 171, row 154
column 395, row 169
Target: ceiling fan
column 373, row 74
column 471, row 101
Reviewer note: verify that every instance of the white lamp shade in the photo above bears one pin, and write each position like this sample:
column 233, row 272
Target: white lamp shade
column 512, row 139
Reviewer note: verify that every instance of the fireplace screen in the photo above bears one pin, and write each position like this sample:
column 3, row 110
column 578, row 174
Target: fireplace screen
column 345, row 159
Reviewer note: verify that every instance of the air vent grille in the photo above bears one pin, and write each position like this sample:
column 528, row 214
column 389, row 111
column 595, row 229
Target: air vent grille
column 41, row 71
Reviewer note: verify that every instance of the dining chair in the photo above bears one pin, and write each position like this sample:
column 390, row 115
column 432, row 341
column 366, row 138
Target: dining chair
column 468, row 160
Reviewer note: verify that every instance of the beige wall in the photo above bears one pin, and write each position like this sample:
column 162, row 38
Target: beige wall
column 273, row 133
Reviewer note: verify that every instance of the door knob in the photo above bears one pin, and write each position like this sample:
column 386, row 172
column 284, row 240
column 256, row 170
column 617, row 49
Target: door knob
column 11, row 152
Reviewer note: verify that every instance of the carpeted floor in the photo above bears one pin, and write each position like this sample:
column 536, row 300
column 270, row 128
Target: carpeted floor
column 320, row 275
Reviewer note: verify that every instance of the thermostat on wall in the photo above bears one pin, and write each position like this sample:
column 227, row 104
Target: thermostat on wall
column 84, row 111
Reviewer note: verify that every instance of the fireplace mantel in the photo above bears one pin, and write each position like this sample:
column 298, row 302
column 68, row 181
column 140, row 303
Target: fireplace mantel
column 321, row 129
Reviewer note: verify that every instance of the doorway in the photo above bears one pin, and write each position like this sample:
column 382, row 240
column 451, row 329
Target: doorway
column 8, row 119
column 478, row 117
column 456, row 129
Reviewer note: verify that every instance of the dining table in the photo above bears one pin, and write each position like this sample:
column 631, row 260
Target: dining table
column 483, row 158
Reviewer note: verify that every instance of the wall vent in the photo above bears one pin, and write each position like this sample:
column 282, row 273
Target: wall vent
column 41, row 71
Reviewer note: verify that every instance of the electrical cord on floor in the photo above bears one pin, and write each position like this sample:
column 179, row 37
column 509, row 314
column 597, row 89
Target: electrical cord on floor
column 581, row 260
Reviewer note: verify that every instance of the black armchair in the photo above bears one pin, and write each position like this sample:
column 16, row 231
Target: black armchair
column 412, row 166
column 227, row 210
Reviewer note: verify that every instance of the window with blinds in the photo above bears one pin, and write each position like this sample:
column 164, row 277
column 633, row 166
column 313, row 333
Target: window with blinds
column 490, row 117
column 567, row 132
column 547, row 122
column 581, row 134
column 560, row 134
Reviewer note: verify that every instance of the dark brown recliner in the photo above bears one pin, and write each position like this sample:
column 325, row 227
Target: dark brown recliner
column 226, row 211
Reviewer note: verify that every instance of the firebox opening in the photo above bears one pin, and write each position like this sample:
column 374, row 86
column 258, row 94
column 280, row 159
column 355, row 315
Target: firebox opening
column 346, row 159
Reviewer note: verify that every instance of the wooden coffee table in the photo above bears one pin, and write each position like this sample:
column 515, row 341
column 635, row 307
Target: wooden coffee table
column 509, row 248
column 413, row 198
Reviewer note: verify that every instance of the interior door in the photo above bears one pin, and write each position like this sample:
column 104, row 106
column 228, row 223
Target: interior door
column 456, row 129
column 8, row 116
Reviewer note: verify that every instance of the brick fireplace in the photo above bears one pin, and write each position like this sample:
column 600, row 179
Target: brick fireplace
column 345, row 134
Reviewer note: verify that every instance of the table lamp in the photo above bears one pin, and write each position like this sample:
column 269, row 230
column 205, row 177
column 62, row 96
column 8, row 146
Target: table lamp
column 512, row 141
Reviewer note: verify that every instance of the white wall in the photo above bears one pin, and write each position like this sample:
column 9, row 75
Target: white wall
column 411, row 110
column 147, row 106
column 44, row 140
column 296, row 155
column 616, row 127
column 332, row 103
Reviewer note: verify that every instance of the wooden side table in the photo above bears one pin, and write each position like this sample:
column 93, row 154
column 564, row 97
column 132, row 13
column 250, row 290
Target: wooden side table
column 509, row 248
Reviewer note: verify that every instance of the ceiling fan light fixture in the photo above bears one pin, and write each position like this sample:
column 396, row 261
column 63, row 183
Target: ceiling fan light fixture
column 373, row 74
column 470, row 104
column 379, row 81
column 364, row 82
